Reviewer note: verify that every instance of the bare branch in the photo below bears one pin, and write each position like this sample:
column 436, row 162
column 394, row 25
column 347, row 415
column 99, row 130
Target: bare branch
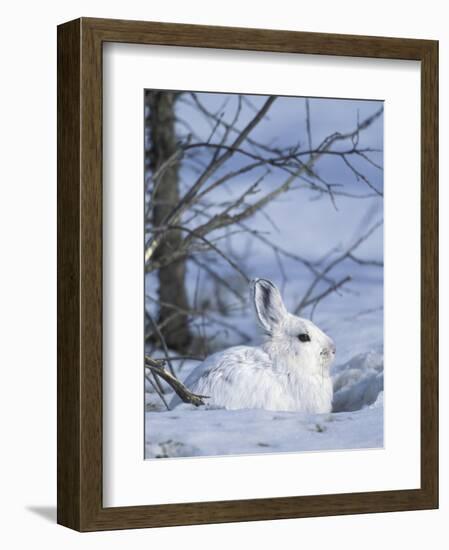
column 157, row 367
column 316, row 299
column 221, row 322
column 309, row 132
column 176, row 213
column 162, row 341
column 197, row 235
column 332, row 264
column 154, row 381
column 359, row 176
column 359, row 261
column 230, row 127
column 337, row 136
column 218, row 278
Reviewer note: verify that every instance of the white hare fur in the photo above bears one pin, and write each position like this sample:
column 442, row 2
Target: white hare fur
column 289, row 372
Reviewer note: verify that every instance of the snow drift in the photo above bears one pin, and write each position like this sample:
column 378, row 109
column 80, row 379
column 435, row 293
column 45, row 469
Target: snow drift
column 355, row 423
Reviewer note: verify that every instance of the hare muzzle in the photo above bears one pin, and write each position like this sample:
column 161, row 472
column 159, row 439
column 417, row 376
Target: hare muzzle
column 328, row 353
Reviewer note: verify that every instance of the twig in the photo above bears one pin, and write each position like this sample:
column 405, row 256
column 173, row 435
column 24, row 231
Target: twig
column 176, row 213
column 332, row 264
column 156, row 386
column 359, row 261
column 195, row 234
column 218, row 278
column 162, row 341
column 157, row 366
column 309, row 132
column 229, row 326
column 359, row 176
column 186, row 357
column 230, row 127
column 316, row 299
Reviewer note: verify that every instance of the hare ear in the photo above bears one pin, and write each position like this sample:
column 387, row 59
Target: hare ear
column 270, row 309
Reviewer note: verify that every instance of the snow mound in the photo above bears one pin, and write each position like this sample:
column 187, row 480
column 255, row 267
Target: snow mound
column 219, row 432
column 358, row 382
column 355, row 423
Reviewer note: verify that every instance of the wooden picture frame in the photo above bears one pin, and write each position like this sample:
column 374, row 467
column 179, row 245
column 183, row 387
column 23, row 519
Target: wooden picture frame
column 80, row 504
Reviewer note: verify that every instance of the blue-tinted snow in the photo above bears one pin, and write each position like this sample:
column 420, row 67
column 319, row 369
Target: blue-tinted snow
column 302, row 224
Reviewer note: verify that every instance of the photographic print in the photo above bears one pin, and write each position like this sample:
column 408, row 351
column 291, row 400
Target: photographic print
column 263, row 274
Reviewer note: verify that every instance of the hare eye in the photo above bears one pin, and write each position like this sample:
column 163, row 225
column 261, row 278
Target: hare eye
column 304, row 337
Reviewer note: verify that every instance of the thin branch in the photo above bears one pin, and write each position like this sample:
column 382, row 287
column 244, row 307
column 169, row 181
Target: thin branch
column 218, row 278
column 359, row 176
column 162, row 341
column 157, row 367
column 369, row 160
column 211, row 318
column 316, row 299
column 157, row 388
column 309, row 132
column 186, row 357
column 279, row 249
column 332, row 264
column 359, row 261
column 230, row 127
column 176, row 213
column 195, row 234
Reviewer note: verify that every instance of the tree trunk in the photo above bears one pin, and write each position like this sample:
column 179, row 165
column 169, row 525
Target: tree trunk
column 172, row 291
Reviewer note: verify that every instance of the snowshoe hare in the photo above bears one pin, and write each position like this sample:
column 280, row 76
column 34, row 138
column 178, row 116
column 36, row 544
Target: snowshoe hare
column 289, row 372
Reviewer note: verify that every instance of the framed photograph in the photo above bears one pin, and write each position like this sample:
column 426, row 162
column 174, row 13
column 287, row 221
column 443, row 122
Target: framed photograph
column 247, row 274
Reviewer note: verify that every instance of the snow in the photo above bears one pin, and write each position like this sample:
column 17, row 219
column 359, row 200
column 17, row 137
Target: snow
column 186, row 432
column 358, row 382
column 357, row 422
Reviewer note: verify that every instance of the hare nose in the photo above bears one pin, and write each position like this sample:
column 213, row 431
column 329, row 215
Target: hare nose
column 333, row 348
